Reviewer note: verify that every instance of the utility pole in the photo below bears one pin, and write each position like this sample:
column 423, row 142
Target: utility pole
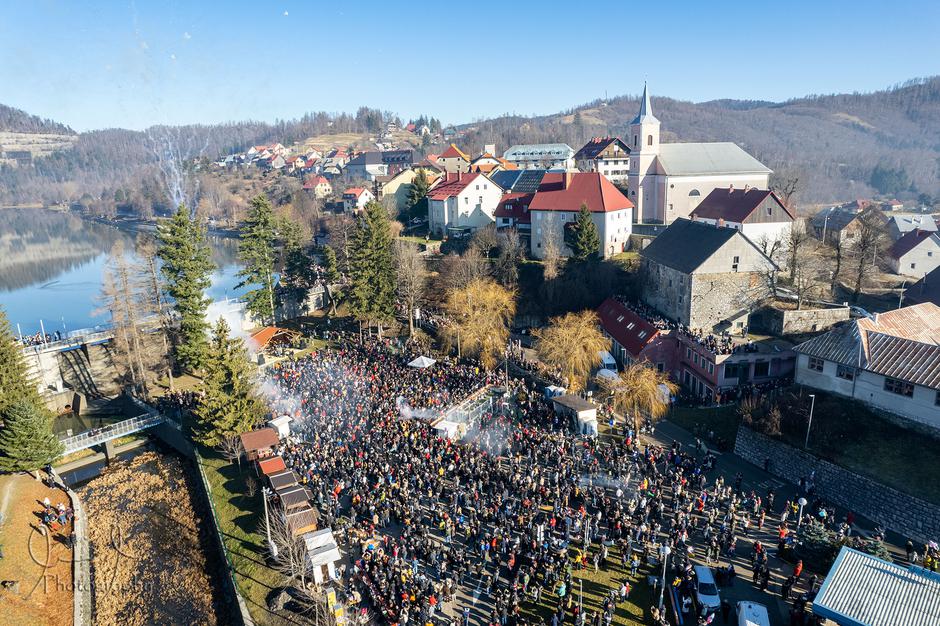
column 809, row 424
column 267, row 522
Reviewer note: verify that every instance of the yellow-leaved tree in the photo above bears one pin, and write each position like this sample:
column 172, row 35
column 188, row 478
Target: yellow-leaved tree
column 639, row 391
column 481, row 314
column 572, row 343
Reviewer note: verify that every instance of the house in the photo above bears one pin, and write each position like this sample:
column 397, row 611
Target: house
column 366, row 166
column 892, row 205
column 609, row 156
column 454, row 160
column 518, row 181
column 356, row 198
column 634, row 339
column 836, row 224
column 556, row 205
column 667, row 181
column 258, row 444
column 513, row 212
column 915, row 254
column 901, row 224
column 927, row 289
column 319, row 186
column 541, row 156
column 462, row 203
column 397, row 188
column 705, row 277
column 397, row 160
column 863, row 590
column 890, row 361
column 758, row 213
column 488, row 164
column 322, row 554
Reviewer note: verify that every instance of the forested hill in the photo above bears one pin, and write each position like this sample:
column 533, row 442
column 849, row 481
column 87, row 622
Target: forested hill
column 833, row 143
column 18, row 121
column 840, row 147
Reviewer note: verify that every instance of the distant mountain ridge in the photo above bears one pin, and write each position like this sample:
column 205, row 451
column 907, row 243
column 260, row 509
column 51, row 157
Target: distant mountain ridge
column 834, row 144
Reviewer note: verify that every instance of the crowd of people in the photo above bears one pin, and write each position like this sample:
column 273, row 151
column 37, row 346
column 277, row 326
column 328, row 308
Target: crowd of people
column 38, row 338
column 490, row 527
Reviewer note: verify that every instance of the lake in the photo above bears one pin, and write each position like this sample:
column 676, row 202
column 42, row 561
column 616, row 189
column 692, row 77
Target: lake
column 52, row 263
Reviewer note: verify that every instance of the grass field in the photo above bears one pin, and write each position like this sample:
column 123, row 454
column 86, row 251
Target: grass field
column 239, row 517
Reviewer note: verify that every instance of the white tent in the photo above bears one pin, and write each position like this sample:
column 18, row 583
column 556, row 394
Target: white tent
column 422, row 362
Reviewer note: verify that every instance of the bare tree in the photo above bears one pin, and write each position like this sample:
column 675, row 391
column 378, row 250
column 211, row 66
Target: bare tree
column 796, row 240
column 485, row 240
column 231, row 450
column 551, row 248
column 510, row 253
column 837, row 246
column 786, row 184
column 869, row 239
column 808, row 280
column 340, row 229
column 155, row 299
column 291, row 557
column 459, row 271
column 412, row 276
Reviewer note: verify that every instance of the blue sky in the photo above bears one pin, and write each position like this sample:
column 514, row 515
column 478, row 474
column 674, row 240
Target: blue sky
column 104, row 64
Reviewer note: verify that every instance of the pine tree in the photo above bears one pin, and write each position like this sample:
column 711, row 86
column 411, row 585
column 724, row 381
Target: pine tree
column 187, row 269
column 585, row 243
column 27, row 442
column 418, row 189
column 14, row 379
column 299, row 273
column 230, row 404
column 257, row 254
column 372, row 268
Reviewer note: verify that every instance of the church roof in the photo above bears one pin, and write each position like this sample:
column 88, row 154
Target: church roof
column 691, row 159
column 646, row 109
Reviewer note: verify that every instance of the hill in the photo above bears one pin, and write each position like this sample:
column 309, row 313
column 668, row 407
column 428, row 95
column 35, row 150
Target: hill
column 839, row 146
column 833, row 143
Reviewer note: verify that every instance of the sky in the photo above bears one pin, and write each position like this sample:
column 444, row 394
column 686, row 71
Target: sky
column 98, row 64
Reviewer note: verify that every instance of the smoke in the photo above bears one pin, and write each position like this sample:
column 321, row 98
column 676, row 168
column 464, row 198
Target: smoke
column 610, row 483
column 175, row 149
column 407, row 412
column 233, row 313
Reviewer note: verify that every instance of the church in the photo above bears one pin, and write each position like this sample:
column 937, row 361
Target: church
column 667, row 181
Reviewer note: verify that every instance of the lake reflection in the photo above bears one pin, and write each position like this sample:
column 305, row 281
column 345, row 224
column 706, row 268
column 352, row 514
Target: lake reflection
column 51, row 266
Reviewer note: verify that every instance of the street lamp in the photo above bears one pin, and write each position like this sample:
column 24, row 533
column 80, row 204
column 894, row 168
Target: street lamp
column 799, row 519
column 664, row 553
column 809, row 424
column 265, row 492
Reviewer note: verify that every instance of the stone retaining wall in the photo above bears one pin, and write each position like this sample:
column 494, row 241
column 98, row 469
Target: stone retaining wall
column 907, row 515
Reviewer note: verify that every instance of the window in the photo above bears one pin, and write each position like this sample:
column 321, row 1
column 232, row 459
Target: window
column 936, row 400
column 899, row 387
column 466, row 200
column 649, row 140
column 634, row 141
column 630, row 326
column 695, row 193
column 734, row 263
column 478, row 188
column 688, row 353
column 913, row 265
column 770, row 210
column 761, row 369
column 846, row 373
column 816, row 364
column 711, row 367
column 660, row 367
column 642, row 334
column 930, row 254
column 620, row 319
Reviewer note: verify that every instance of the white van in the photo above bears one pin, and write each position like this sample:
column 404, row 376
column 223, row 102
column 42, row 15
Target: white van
column 752, row 614
column 706, row 590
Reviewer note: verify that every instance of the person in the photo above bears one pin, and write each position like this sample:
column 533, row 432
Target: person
column 797, row 571
column 786, row 587
column 725, row 610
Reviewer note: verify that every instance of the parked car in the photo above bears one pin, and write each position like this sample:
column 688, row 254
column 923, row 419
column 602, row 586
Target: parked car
column 706, row 591
column 752, row 614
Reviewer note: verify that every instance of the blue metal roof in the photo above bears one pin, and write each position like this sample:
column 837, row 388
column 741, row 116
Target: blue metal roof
column 863, row 590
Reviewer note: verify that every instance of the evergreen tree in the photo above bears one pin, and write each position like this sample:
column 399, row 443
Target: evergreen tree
column 299, row 273
column 330, row 275
column 256, row 252
column 14, row 380
column 230, row 404
column 418, row 189
column 27, row 442
column 187, row 269
column 372, row 268
column 584, row 241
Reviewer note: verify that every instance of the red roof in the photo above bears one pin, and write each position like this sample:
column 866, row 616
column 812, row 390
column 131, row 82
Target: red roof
column 260, row 439
column 736, row 205
column 410, row 128
column 910, row 241
column 311, row 183
column 568, row 191
column 453, row 152
column 626, row 327
column 271, row 465
column 354, row 191
column 453, row 185
column 511, row 207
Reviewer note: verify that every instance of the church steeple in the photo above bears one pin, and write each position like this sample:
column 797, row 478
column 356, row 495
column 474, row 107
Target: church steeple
column 646, row 109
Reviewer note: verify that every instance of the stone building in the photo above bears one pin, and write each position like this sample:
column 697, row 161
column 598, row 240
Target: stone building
column 705, row 277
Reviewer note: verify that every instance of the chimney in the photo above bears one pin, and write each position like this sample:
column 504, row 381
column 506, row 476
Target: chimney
column 566, row 180
column 459, row 175
column 720, row 223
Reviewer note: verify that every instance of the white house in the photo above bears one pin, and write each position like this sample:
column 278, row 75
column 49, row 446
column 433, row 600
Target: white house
column 356, row 198
column 558, row 201
column 462, row 201
column 758, row 213
column 541, row 156
column 915, row 254
column 667, row 181
column 609, row 156
column 900, row 225
column 891, row 361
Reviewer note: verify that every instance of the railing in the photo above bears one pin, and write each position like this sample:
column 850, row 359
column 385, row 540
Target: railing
column 108, row 433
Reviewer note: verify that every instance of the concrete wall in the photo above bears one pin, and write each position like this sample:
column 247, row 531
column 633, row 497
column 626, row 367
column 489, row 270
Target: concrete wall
column 786, row 322
column 910, row 516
